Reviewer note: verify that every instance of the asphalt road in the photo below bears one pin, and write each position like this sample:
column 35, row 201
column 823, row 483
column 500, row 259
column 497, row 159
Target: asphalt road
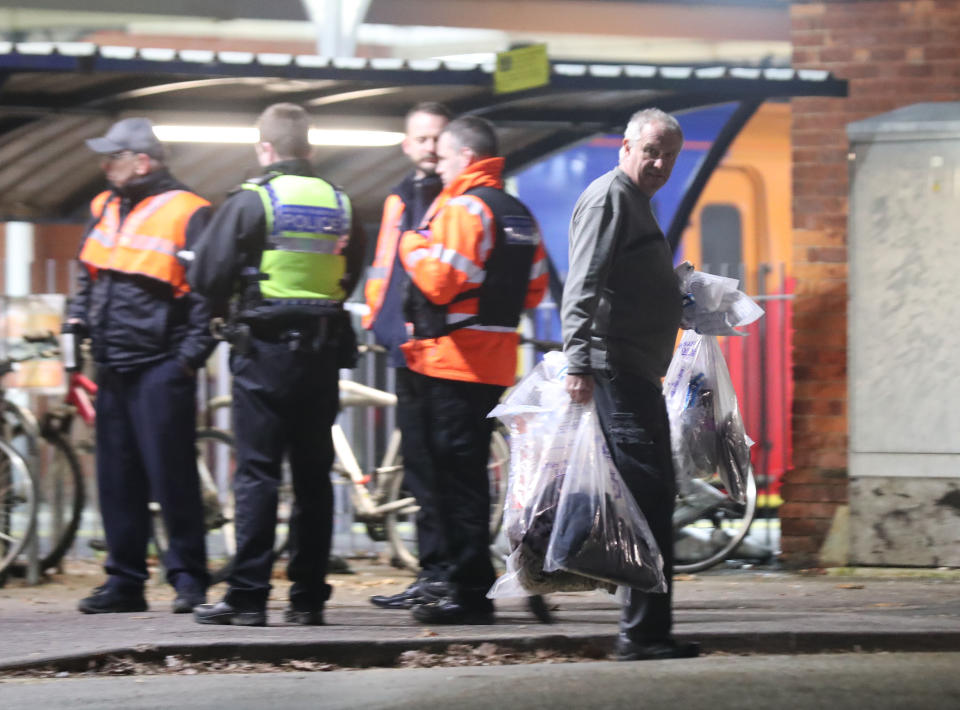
column 894, row 681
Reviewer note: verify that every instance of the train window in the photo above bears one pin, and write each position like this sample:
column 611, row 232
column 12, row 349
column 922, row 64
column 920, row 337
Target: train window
column 721, row 238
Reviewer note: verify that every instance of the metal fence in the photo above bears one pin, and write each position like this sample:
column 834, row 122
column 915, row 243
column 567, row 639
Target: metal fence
column 760, row 366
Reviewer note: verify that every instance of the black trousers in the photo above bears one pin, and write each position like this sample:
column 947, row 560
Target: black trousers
column 454, row 416
column 419, row 476
column 633, row 417
column 146, row 429
column 284, row 403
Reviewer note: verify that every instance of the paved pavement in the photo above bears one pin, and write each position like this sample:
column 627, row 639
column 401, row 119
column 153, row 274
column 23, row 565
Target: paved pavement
column 758, row 611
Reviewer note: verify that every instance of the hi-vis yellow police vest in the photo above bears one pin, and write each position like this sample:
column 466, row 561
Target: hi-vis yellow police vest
column 308, row 225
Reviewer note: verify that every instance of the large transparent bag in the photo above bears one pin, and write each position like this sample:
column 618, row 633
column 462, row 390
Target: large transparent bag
column 706, row 429
column 599, row 531
column 534, row 413
column 541, row 421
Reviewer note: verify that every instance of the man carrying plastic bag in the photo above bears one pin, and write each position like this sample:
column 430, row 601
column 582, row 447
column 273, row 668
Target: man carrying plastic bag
column 620, row 312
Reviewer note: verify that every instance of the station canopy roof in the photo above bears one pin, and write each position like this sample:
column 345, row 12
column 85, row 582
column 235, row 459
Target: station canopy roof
column 55, row 95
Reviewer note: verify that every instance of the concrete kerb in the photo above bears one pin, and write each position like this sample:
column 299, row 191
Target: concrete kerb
column 735, row 612
column 365, row 654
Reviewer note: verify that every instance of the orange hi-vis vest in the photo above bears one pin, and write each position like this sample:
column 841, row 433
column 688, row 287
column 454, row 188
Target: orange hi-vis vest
column 448, row 258
column 147, row 241
column 380, row 271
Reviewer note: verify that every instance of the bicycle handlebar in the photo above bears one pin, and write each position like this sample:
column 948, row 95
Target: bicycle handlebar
column 541, row 345
column 371, row 348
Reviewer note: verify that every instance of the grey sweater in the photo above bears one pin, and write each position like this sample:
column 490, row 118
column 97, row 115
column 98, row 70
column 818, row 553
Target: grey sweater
column 621, row 303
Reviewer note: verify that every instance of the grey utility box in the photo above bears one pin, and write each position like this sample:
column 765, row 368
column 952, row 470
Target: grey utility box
column 904, row 337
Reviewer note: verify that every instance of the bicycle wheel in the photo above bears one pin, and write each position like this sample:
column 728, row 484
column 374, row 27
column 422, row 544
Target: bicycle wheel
column 708, row 525
column 18, row 505
column 61, row 498
column 216, row 462
column 215, row 466
column 58, row 480
column 401, row 524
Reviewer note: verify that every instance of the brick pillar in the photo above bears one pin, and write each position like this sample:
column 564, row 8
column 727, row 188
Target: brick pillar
column 893, row 53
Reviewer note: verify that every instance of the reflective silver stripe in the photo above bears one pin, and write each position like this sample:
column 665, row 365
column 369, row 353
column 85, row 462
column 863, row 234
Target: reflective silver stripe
column 307, row 245
column 453, row 318
column 414, row 257
column 491, row 328
column 107, row 240
column 148, row 243
column 134, row 220
column 475, row 274
column 475, row 206
column 376, row 272
column 539, row 268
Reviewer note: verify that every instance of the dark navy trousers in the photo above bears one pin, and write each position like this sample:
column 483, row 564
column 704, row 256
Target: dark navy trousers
column 146, row 424
column 419, row 476
column 284, row 404
column 633, row 416
column 453, row 415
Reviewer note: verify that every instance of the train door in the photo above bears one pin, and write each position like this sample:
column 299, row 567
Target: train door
column 741, row 228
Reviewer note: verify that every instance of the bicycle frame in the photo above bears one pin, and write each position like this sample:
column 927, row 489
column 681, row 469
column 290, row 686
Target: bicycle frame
column 367, row 506
column 79, row 395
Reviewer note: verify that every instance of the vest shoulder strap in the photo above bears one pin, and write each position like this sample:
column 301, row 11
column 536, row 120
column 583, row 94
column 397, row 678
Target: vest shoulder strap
column 499, row 201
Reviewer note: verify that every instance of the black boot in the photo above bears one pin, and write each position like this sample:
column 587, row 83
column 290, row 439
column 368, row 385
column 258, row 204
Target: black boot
column 223, row 613
column 112, row 600
column 450, row 611
column 420, row 592
column 627, row 650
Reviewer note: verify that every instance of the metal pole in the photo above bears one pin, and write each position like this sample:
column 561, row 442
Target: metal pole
column 18, row 262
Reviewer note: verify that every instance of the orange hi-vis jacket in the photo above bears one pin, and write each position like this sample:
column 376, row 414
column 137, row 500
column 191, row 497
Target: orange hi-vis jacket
column 448, row 258
column 378, row 275
column 148, row 239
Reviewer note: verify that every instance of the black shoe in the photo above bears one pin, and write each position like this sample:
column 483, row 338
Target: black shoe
column 223, row 613
column 448, row 611
column 627, row 650
column 420, row 592
column 403, row 600
column 433, row 590
column 312, row 617
column 109, row 600
column 185, row 603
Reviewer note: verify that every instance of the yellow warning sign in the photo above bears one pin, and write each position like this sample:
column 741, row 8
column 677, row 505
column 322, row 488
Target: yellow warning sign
column 523, row 68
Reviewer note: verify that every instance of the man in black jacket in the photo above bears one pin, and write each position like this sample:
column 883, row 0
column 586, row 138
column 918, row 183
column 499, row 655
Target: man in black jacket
column 149, row 335
column 386, row 286
column 289, row 247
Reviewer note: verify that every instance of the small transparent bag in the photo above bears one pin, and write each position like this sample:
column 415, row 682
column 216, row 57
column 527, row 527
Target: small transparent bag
column 706, row 429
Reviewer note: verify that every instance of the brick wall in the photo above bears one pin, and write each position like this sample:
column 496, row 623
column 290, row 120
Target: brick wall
column 55, row 247
column 893, row 53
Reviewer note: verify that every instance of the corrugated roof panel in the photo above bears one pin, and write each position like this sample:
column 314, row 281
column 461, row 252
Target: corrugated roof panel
column 57, row 94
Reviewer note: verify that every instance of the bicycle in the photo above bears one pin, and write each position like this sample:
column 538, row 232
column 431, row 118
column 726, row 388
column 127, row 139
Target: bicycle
column 33, row 497
column 384, row 508
column 709, row 525
column 60, row 490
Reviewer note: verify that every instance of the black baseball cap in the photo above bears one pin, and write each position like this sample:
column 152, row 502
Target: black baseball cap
column 135, row 134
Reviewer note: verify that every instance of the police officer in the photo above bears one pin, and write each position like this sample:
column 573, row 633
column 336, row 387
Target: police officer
column 149, row 335
column 288, row 245
column 387, row 284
